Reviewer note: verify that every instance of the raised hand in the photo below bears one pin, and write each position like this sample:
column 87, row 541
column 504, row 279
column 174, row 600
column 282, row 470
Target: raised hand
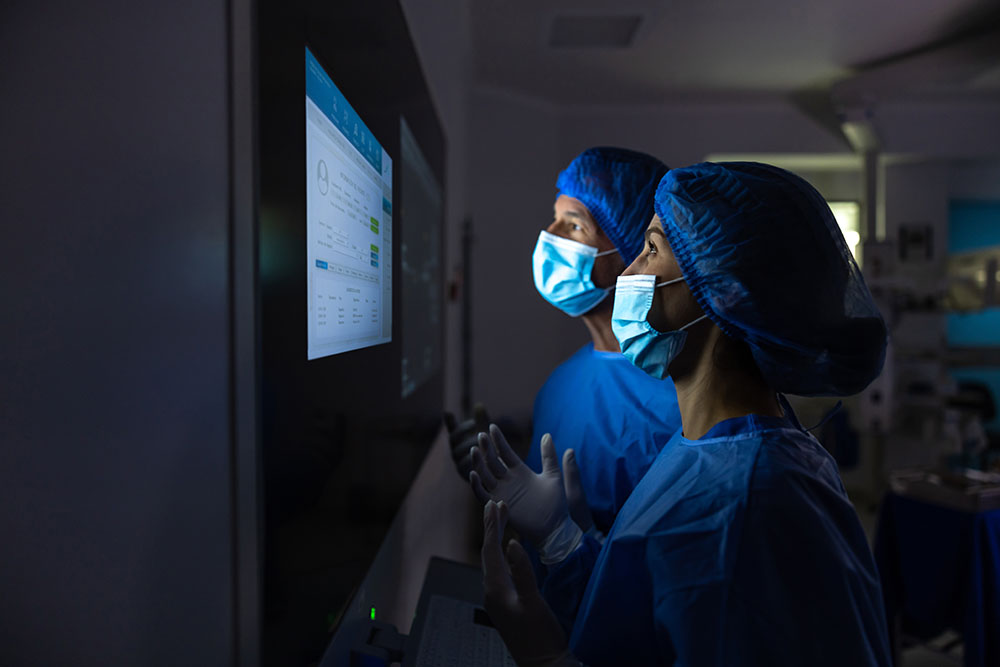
column 522, row 617
column 462, row 437
column 536, row 502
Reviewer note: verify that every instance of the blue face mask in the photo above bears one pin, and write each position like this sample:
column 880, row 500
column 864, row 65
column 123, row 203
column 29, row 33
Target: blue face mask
column 644, row 346
column 562, row 273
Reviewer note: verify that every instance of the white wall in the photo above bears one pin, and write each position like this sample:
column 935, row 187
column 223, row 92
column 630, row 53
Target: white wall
column 961, row 129
column 517, row 337
column 682, row 134
column 975, row 179
column 836, row 184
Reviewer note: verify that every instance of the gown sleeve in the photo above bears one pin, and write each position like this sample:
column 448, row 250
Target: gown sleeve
column 566, row 581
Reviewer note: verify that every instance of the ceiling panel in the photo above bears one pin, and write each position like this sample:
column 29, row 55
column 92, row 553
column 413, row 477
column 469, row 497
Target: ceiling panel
column 717, row 47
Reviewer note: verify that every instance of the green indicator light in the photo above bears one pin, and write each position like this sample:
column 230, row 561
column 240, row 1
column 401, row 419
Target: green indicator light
column 374, row 247
column 373, row 613
column 373, row 220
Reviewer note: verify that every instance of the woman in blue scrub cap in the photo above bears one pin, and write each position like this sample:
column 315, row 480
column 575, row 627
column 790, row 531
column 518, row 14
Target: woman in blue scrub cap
column 739, row 546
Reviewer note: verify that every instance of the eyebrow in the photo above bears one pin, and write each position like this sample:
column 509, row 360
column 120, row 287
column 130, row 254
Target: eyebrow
column 580, row 217
column 655, row 230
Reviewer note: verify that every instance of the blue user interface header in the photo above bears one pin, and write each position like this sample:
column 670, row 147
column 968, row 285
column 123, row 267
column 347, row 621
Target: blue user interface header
column 333, row 104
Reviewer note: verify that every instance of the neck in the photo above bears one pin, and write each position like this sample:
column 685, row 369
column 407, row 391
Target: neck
column 707, row 394
column 598, row 323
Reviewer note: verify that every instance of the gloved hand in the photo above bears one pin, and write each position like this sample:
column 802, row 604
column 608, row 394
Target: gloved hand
column 521, row 616
column 579, row 510
column 463, row 437
column 537, row 503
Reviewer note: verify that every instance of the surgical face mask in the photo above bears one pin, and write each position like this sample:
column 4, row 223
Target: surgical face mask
column 562, row 274
column 644, row 346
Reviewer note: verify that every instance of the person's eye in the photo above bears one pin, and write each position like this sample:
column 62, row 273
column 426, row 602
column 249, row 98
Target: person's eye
column 577, row 228
column 651, row 248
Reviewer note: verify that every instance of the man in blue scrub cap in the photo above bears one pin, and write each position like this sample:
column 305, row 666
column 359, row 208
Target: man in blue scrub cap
column 739, row 546
column 615, row 417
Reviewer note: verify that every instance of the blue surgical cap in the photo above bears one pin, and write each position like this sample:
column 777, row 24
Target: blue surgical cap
column 617, row 187
column 767, row 262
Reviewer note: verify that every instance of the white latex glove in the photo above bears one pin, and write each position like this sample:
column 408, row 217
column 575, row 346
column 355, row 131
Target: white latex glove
column 463, row 436
column 536, row 503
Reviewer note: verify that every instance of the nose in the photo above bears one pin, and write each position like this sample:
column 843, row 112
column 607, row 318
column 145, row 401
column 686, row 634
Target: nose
column 631, row 269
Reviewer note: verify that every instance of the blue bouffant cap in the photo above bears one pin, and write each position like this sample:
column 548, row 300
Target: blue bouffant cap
column 617, row 187
column 767, row 262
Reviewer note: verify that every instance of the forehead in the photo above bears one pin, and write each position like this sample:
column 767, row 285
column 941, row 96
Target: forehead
column 569, row 205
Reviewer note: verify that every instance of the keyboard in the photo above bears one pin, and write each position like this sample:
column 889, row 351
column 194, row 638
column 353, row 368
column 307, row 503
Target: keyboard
column 458, row 633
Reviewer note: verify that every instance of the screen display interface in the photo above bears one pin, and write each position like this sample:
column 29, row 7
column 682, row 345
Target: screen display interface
column 348, row 224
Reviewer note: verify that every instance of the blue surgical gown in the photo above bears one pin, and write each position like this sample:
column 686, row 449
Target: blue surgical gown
column 740, row 548
column 614, row 415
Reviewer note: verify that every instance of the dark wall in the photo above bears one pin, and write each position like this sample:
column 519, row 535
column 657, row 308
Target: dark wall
column 114, row 345
column 340, row 444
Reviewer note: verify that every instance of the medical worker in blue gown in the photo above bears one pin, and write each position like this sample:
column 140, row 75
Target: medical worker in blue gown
column 616, row 417
column 739, row 546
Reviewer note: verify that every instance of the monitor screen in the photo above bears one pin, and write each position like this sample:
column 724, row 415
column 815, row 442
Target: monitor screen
column 348, row 224
column 421, row 218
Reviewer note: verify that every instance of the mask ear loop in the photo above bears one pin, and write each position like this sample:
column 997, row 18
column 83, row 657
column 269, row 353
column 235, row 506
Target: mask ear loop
column 602, row 254
column 692, row 322
column 829, row 415
column 669, row 282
